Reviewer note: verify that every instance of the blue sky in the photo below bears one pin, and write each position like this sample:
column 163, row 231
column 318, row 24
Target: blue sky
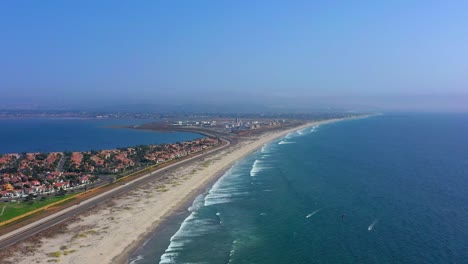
column 349, row 53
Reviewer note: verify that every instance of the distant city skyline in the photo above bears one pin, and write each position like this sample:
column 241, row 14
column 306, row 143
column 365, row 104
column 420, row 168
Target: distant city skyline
column 301, row 55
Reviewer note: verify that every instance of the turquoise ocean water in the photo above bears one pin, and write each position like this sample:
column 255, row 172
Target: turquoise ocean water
column 46, row 135
column 386, row 189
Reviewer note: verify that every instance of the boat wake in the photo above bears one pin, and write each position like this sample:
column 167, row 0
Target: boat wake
column 313, row 213
column 372, row 225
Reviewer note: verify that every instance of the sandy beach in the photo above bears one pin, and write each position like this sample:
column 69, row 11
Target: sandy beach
column 113, row 230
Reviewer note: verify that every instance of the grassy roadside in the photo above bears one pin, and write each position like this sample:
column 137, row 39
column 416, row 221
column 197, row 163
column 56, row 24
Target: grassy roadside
column 13, row 209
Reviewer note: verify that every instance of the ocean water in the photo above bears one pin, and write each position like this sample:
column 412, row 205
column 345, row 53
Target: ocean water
column 46, row 135
column 386, row 189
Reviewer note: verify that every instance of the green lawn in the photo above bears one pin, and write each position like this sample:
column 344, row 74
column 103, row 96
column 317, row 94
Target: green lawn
column 13, row 209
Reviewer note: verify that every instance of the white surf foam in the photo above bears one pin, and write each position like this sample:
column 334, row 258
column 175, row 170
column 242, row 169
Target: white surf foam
column 233, row 251
column 372, row 225
column 193, row 226
column 313, row 213
column 301, row 132
column 304, row 131
column 222, row 196
column 168, row 258
column 256, row 168
column 197, row 203
column 285, row 142
column 229, row 187
column 190, row 228
column 314, row 128
column 268, row 148
column 134, row 261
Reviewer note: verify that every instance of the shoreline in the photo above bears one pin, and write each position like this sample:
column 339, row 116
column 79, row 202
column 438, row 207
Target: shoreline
column 184, row 205
column 137, row 216
column 181, row 208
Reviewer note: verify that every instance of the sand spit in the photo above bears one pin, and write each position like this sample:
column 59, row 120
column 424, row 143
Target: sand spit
column 111, row 231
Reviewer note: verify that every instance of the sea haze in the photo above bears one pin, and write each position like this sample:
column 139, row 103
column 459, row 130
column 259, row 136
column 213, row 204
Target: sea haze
column 46, row 135
column 386, row 189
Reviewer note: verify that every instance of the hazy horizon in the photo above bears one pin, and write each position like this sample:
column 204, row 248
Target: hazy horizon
column 361, row 56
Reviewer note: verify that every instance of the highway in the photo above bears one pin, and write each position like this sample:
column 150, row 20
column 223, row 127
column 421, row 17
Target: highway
column 31, row 229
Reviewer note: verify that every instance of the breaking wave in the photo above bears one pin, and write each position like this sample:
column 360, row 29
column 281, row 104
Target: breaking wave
column 265, row 149
column 229, row 187
column 314, row 128
column 301, row 132
column 285, row 142
column 135, row 260
column 190, row 228
column 257, row 167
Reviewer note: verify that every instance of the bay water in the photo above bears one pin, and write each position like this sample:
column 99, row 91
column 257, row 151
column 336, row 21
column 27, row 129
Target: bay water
column 47, row 135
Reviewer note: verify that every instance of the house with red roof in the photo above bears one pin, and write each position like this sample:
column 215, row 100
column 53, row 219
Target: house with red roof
column 84, row 179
